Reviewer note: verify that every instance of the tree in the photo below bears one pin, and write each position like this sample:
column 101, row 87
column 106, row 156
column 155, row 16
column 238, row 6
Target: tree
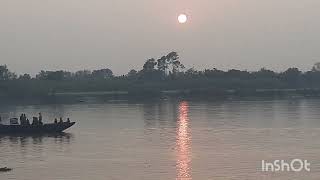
column 42, row 75
column 264, row 73
column 214, row 73
column 54, row 75
column 177, row 66
column 132, row 74
column 291, row 75
column 5, row 74
column 173, row 60
column 191, row 73
column 25, row 77
column 102, row 74
column 234, row 73
column 162, row 64
column 82, row 74
column 149, row 65
column 316, row 67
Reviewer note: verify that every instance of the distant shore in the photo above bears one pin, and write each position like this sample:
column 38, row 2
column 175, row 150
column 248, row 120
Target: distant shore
column 200, row 92
column 165, row 76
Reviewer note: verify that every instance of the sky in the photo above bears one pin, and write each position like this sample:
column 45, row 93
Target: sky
column 121, row 34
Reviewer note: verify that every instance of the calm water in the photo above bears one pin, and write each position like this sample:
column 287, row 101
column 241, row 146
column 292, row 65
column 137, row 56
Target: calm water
column 169, row 139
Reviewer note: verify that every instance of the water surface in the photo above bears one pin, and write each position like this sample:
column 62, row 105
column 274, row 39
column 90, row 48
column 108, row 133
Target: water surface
column 167, row 139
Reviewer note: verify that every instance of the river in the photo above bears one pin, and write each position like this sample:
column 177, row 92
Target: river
column 166, row 139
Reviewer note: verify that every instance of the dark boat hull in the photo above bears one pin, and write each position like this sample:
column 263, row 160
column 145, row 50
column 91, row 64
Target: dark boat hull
column 34, row 129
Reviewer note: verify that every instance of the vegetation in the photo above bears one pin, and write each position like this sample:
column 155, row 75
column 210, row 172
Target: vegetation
column 164, row 74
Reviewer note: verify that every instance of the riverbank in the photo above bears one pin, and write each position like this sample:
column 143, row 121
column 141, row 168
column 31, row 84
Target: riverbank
column 200, row 92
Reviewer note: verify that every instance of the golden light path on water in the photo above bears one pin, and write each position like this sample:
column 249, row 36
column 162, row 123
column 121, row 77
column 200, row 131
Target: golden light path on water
column 183, row 143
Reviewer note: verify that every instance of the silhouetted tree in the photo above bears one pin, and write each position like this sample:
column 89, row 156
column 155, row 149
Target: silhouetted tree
column 214, row 73
column 162, row 64
column 191, row 73
column 149, row 65
column 264, row 73
column 173, row 60
column 81, row 75
column 25, row 77
column 316, row 67
column 102, row 74
column 234, row 73
column 54, row 75
column 132, row 74
column 291, row 76
column 5, row 74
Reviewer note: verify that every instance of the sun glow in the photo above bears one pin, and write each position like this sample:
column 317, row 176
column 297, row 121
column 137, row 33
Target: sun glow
column 182, row 18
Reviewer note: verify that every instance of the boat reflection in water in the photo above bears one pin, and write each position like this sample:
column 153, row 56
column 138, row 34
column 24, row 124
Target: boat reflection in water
column 183, row 143
column 25, row 140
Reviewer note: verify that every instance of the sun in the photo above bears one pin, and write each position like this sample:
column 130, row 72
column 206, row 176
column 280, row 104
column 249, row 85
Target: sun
column 182, row 18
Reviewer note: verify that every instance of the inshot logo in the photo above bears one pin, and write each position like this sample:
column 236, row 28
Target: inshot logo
column 295, row 165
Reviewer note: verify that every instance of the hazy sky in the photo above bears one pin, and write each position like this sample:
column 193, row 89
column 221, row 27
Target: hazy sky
column 122, row 34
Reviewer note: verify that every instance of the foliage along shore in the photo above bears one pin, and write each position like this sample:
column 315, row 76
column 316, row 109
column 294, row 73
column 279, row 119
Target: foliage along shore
column 166, row 75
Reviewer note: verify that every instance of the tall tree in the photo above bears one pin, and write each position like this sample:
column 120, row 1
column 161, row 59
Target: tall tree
column 5, row 74
column 149, row 65
column 173, row 60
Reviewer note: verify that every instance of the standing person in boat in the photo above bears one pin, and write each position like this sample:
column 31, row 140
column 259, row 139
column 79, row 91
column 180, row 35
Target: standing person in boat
column 68, row 120
column 24, row 119
column 61, row 121
column 55, row 120
column 21, row 119
column 40, row 117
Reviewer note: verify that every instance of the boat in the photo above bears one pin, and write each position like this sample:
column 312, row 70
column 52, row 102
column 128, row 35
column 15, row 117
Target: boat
column 35, row 129
column 5, row 169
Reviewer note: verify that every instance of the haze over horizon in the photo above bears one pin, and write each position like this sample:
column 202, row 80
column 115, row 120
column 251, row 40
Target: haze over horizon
column 77, row 34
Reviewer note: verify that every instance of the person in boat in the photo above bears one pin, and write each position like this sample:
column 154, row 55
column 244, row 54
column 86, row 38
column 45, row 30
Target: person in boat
column 35, row 121
column 61, row 121
column 27, row 122
column 40, row 117
column 68, row 120
column 40, row 122
column 21, row 119
column 55, row 120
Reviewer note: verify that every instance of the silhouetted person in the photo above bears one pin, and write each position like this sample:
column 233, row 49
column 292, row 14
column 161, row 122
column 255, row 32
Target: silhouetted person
column 24, row 119
column 68, row 120
column 61, row 121
column 27, row 122
column 0, row 120
column 35, row 121
column 55, row 121
column 40, row 117
column 21, row 119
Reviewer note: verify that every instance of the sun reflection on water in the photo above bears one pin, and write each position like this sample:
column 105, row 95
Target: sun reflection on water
column 183, row 143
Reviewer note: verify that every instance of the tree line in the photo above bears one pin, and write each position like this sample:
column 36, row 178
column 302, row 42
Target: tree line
column 164, row 73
